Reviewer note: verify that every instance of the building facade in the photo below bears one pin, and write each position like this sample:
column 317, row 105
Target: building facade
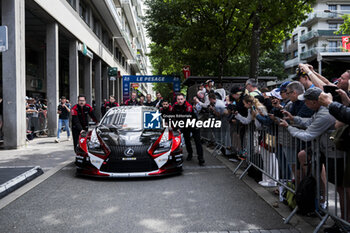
column 65, row 47
column 315, row 41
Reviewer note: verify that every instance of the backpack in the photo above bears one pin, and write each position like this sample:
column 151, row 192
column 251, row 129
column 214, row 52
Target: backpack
column 305, row 195
column 289, row 197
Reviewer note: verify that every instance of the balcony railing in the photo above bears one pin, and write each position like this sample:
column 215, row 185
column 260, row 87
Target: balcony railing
column 324, row 15
column 292, row 62
column 314, row 51
column 130, row 14
column 317, row 33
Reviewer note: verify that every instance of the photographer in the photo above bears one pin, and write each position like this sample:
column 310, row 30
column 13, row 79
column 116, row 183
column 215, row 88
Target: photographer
column 237, row 94
column 320, row 81
column 302, row 76
column 217, row 107
column 63, row 110
column 254, row 108
column 342, row 113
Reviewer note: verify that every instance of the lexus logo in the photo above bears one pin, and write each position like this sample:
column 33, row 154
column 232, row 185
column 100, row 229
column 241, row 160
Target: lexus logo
column 129, row 152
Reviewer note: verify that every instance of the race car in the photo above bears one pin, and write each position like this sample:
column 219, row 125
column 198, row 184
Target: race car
column 123, row 145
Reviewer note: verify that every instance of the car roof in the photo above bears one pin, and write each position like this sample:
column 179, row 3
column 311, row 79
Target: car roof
column 133, row 108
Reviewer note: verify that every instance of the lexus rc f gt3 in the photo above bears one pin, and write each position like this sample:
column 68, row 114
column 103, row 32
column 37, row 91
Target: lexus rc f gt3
column 123, row 146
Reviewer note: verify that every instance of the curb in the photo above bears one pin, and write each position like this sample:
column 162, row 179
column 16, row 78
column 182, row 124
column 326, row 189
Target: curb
column 27, row 187
column 19, row 181
column 297, row 222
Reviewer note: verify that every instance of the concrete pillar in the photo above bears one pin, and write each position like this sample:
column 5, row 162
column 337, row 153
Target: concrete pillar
column 98, row 88
column 120, row 80
column 105, row 83
column 52, row 77
column 73, row 72
column 88, row 79
column 14, row 74
column 117, row 88
column 113, row 88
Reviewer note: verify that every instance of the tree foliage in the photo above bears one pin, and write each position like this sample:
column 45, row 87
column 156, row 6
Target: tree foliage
column 345, row 27
column 209, row 34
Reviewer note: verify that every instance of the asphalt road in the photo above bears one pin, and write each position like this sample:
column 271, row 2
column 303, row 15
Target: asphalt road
column 207, row 198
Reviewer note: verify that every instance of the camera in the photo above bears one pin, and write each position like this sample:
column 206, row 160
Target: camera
column 232, row 107
column 332, row 90
column 278, row 113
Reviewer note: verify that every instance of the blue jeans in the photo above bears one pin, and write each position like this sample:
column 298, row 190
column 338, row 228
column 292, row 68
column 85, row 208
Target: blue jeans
column 66, row 125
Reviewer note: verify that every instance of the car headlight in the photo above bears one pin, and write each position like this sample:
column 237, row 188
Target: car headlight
column 94, row 145
column 163, row 147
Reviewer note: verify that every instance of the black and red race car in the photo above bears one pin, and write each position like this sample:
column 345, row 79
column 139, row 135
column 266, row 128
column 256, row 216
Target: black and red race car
column 124, row 144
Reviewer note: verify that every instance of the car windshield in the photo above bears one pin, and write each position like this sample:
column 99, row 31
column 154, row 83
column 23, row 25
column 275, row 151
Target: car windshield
column 124, row 118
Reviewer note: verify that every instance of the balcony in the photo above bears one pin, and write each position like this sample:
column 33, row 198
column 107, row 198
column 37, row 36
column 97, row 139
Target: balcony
column 291, row 63
column 314, row 16
column 314, row 51
column 130, row 15
column 113, row 7
column 318, row 33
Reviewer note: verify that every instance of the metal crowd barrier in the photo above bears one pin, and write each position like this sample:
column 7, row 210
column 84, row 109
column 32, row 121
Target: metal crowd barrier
column 276, row 154
column 37, row 125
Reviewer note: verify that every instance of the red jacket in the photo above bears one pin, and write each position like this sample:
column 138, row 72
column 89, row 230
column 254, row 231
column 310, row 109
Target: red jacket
column 80, row 116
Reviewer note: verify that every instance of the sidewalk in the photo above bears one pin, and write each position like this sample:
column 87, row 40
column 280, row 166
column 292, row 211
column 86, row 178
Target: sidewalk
column 19, row 166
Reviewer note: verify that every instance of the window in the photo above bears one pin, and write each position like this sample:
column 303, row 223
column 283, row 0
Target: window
column 295, row 38
column 333, row 26
column 345, row 7
column 288, row 42
column 123, row 61
column 332, row 7
column 332, row 46
column 116, row 53
column 302, row 32
column 295, row 53
column 303, row 49
column 84, row 12
column 72, row 3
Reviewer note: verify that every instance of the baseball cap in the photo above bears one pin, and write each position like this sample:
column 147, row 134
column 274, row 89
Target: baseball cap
column 298, row 74
column 274, row 93
column 310, row 94
column 283, row 86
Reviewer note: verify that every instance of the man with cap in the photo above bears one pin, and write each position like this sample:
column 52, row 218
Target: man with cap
column 283, row 92
column 317, row 125
column 343, row 82
column 319, row 122
column 303, row 77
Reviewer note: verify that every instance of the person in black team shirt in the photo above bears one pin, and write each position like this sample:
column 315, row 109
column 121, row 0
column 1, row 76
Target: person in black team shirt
column 80, row 118
column 133, row 101
column 110, row 104
column 166, row 110
column 63, row 110
column 182, row 107
column 158, row 102
column 149, row 101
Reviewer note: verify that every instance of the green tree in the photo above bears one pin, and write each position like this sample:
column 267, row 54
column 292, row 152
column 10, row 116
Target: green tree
column 345, row 27
column 208, row 34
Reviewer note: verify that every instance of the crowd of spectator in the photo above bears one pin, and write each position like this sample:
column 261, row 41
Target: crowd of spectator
column 307, row 107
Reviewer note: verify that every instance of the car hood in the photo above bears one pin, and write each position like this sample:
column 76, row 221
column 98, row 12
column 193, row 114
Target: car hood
column 117, row 137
